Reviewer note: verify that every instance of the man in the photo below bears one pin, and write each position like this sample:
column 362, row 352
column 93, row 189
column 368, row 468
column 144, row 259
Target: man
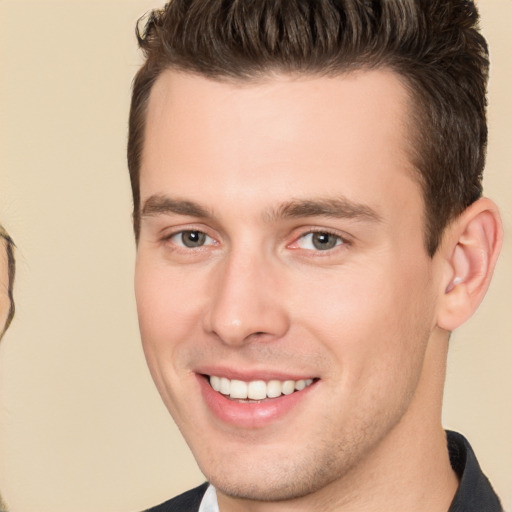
column 7, row 267
column 310, row 228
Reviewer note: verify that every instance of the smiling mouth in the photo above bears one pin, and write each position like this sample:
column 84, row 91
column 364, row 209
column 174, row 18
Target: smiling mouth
column 257, row 389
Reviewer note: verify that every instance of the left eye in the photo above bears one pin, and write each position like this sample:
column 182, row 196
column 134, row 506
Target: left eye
column 319, row 241
column 191, row 239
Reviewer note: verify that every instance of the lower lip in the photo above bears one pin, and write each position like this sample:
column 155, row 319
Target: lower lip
column 250, row 415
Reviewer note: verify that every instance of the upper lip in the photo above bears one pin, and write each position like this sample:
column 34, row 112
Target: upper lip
column 253, row 374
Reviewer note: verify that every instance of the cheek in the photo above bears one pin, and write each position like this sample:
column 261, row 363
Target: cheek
column 169, row 302
column 167, row 306
column 372, row 321
column 377, row 337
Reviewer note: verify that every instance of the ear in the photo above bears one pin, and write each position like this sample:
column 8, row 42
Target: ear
column 470, row 249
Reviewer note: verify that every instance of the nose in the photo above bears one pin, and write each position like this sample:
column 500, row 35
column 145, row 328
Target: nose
column 246, row 301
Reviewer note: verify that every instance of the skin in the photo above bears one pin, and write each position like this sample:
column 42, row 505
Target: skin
column 363, row 317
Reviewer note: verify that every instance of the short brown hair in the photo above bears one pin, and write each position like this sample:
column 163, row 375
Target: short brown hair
column 11, row 266
column 433, row 45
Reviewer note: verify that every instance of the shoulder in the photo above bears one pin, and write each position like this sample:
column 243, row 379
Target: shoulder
column 189, row 501
column 475, row 493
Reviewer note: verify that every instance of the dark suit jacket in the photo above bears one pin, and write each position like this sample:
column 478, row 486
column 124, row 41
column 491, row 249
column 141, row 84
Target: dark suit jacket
column 475, row 493
column 187, row 502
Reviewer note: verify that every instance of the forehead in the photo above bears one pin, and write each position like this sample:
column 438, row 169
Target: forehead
column 280, row 129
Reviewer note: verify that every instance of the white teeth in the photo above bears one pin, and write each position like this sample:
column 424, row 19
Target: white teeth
column 238, row 389
column 288, row 387
column 274, row 388
column 215, row 382
column 257, row 389
column 225, row 386
column 300, row 385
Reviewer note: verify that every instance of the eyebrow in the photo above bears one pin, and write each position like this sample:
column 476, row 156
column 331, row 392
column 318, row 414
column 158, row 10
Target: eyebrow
column 158, row 204
column 340, row 208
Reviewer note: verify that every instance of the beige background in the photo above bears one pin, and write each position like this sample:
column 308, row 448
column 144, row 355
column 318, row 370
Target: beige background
column 81, row 426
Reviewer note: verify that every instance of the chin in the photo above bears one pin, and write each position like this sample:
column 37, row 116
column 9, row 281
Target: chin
column 275, row 480
column 263, row 491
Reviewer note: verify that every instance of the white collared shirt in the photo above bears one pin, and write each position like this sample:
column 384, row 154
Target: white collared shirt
column 209, row 501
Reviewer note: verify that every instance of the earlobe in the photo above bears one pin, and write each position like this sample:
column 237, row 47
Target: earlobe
column 471, row 244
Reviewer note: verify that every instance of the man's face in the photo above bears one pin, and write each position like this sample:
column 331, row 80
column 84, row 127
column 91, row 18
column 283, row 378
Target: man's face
column 282, row 239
